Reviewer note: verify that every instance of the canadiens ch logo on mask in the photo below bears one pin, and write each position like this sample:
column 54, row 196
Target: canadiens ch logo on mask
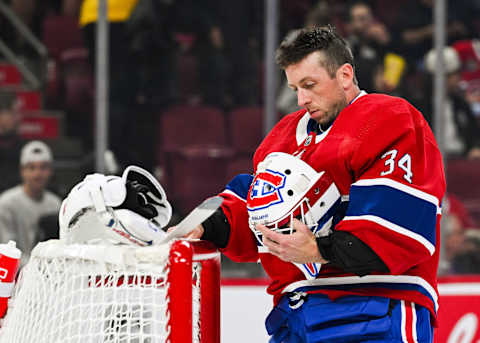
column 265, row 190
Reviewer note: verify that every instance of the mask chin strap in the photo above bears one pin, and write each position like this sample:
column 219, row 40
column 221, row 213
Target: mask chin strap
column 308, row 217
column 105, row 216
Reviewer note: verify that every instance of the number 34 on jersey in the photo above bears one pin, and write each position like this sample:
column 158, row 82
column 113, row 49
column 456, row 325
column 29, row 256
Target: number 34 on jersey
column 404, row 163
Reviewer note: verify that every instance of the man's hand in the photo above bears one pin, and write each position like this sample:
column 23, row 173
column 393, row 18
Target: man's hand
column 299, row 247
column 474, row 153
column 194, row 234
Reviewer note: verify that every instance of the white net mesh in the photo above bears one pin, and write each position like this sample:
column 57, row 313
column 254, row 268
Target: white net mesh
column 93, row 294
column 196, row 301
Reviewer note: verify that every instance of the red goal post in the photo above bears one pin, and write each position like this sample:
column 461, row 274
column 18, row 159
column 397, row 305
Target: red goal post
column 93, row 293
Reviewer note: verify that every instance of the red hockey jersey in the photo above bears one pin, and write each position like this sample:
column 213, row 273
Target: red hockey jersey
column 385, row 162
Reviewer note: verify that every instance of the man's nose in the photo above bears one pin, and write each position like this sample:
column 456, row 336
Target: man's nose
column 303, row 98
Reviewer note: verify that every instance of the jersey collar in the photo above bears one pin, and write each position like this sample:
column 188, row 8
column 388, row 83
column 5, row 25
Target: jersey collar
column 306, row 125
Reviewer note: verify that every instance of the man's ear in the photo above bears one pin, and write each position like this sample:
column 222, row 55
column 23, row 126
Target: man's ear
column 345, row 75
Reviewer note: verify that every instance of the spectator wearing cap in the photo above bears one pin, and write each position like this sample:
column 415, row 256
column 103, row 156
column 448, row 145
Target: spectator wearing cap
column 462, row 134
column 24, row 207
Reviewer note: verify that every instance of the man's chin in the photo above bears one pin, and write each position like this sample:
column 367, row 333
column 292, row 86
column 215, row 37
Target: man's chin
column 38, row 187
column 320, row 118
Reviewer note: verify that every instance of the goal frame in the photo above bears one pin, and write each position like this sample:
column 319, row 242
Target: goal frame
column 191, row 288
column 183, row 254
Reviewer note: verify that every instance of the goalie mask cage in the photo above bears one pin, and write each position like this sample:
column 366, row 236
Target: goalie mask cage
column 116, row 294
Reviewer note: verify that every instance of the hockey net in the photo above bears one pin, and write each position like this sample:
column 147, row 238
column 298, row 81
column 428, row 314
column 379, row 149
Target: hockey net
column 116, row 294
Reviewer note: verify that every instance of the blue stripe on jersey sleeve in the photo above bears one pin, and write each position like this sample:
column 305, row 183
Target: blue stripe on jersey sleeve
column 240, row 185
column 395, row 206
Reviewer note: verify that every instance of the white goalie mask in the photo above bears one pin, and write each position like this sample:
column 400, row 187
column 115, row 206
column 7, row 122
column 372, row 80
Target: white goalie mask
column 131, row 209
column 284, row 188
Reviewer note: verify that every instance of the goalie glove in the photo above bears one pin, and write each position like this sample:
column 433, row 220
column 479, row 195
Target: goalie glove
column 131, row 209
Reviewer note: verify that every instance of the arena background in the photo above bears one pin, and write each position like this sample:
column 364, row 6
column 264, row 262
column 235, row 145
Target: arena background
column 187, row 89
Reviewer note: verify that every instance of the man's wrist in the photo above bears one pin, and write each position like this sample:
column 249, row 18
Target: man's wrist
column 216, row 229
column 324, row 247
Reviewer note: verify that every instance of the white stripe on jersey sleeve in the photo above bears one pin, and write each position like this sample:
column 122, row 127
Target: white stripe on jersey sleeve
column 394, row 227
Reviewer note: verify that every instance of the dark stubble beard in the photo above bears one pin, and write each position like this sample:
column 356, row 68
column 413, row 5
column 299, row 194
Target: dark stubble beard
column 333, row 113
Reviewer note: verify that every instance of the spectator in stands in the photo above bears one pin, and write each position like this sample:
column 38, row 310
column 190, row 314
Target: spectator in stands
column 413, row 32
column 292, row 15
column 467, row 261
column 379, row 82
column 469, row 53
column 150, row 30
column 320, row 15
column 369, row 40
column 121, row 97
column 461, row 239
column 201, row 21
column 154, row 80
column 10, row 141
column 23, row 207
column 241, row 23
column 462, row 131
column 287, row 98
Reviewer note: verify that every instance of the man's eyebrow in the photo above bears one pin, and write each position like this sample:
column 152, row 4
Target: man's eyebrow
column 304, row 79
column 301, row 81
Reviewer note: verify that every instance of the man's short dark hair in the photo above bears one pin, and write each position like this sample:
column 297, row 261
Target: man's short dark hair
column 301, row 43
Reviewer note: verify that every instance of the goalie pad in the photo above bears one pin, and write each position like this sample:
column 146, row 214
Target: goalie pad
column 131, row 209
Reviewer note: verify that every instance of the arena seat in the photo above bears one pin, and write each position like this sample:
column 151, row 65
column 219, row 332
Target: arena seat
column 239, row 165
column 9, row 75
column 70, row 77
column 28, row 100
column 41, row 124
column 246, row 128
column 192, row 151
column 185, row 125
column 196, row 173
column 78, row 83
column 61, row 33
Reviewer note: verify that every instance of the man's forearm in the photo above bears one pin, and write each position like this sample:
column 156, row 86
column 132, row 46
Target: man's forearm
column 350, row 254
